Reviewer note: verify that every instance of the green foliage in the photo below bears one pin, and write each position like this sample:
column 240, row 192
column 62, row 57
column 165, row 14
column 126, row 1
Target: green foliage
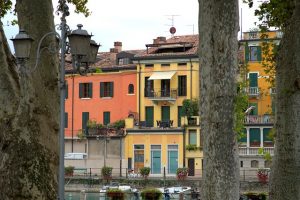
column 115, row 194
column 81, row 135
column 145, row 171
column 151, row 194
column 80, row 6
column 5, row 6
column 106, row 171
column 69, row 170
column 191, row 147
column 190, row 107
column 98, row 70
column 119, row 124
column 182, row 171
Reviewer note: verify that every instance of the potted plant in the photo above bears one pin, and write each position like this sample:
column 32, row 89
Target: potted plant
column 119, row 124
column 81, row 135
column 106, row 172
column 262, row 175
column 92, row 127
column 115, row 194
column 191, row 147
column 151, row 194
column 69, row 170
column 145, row 171
column 182, row 173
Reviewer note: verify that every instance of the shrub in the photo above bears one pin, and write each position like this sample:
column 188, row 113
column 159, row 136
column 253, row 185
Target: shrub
column 106, row 172
column 145, row 171
column 115, row 194
column 190, row 107
column 191, row 147
column 151, row 194
column 182, row 173
column 119, row 124
column 69, row 170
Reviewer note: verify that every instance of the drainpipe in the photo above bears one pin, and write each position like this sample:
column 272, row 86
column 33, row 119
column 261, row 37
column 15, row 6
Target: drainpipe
column 191, row 79
column 72, row 128
column 139, row 95
column 120, row 156
column 183, row 134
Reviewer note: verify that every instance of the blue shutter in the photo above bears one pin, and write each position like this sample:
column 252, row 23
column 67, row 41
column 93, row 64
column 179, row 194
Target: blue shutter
column 90, row 92
column 81, row 88
column 111, row 89
column 85, row 118
column 101, row 89
column 259, row 54
column 66, row 120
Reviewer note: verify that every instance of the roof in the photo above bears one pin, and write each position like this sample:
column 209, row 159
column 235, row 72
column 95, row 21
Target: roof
column 176, row 46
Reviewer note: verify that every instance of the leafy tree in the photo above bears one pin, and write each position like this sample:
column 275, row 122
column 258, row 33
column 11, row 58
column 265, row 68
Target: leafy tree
column 29, row 120
column 218, row 29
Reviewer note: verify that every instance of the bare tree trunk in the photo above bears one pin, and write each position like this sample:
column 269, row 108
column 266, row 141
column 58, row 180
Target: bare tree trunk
column 285, row 174
column 29, row 112
column 218, row 28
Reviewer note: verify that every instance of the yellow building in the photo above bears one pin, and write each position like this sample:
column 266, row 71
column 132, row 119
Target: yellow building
column 259, row 115
column 168, row 73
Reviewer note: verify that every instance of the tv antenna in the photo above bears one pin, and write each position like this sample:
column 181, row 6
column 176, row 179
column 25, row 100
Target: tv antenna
column 193, row 28
column 172, row 30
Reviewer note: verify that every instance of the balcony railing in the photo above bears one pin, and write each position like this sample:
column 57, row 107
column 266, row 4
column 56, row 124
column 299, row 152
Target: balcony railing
column 259, row 119
column 255, row 150
column 158, row 94
column 253, row 91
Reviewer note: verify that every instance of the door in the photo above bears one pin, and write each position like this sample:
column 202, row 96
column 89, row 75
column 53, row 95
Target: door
column 155, row 162
column 149, row 116
column 165, row 88
column 173, row 161
column 138, row 160
column 191, row 166
column 165, row 113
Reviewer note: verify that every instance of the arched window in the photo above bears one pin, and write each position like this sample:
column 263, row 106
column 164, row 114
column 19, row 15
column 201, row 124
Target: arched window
column 254, row 164
column 130, row 89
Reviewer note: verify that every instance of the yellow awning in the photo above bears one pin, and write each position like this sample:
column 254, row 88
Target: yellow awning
column 161, row 75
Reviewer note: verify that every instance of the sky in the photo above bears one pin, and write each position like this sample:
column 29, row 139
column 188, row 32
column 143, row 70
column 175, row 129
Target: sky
column 136, row 22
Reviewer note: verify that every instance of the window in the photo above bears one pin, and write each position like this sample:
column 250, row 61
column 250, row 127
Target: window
column 85, row 119
column 193, row 137
column 130, row 89
column 149, row 65
column 255, row 53
column 148, row 87
column 165, row 65
column 181, row 85
column 254, row 164
column 242, row 163
column 155, row 159
column 172, row 158
column 67, row 91
column 123, row 61
column 181, row 64
column 106, row 89
column 66, row 120
column 85, row 90
column 106, row 118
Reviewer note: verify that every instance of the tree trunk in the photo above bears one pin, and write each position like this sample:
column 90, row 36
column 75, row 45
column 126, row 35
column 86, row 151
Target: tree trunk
column 218, row 29
column 29, row 114
column 285, row 174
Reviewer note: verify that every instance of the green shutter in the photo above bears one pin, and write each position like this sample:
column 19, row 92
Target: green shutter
column 67, row 91
column 90, row 90
column 85, row 118
column 259, row 55
column 246, row 52
column 254, row 111
column 243, row 139
column 111, row 89
column 106, row 118
column 149, row 116
column 179, row 116
column 101, row 89
column 267, row 137
column 253, row 77
column 165, row 113
column 80, row 90
column 254, row 135
column 66, row 120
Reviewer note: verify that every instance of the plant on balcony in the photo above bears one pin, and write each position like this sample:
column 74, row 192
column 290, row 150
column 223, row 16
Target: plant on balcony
column 81, row 135
column 106, row 172
column 145, row 171
column 182, row 173
column 262, row 175
column 191, row 147
column 119, row 124
column 69, row 170
column 190, row 107
column 115, row 194
column 151, row 194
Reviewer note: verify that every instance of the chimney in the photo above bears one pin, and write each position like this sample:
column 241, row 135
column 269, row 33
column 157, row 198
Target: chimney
column 160, row 40
column 118, row 46
column 113, row 50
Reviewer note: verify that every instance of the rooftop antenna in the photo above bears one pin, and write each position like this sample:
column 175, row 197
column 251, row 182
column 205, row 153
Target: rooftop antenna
column 172, row 29
column 193, row 28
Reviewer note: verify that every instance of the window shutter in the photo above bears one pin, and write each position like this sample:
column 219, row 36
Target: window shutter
column 259, row 56
column 246, row 52
column 101, row 89
column 90, row 90
column 80, row 90
column 106, row 118
column 253, row 79
column 66, row 120
column 67, row 91
column 85, row 118
column 111, row 89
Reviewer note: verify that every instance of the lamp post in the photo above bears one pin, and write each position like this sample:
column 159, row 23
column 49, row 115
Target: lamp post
column 80, row 46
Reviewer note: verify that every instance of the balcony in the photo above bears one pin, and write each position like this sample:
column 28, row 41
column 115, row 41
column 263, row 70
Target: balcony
column 259, row 119
column 157, row 95
column 254, row 151
column 253, row 92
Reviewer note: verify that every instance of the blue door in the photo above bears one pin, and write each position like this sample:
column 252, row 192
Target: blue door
column 155, row 162
column 173, row 161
